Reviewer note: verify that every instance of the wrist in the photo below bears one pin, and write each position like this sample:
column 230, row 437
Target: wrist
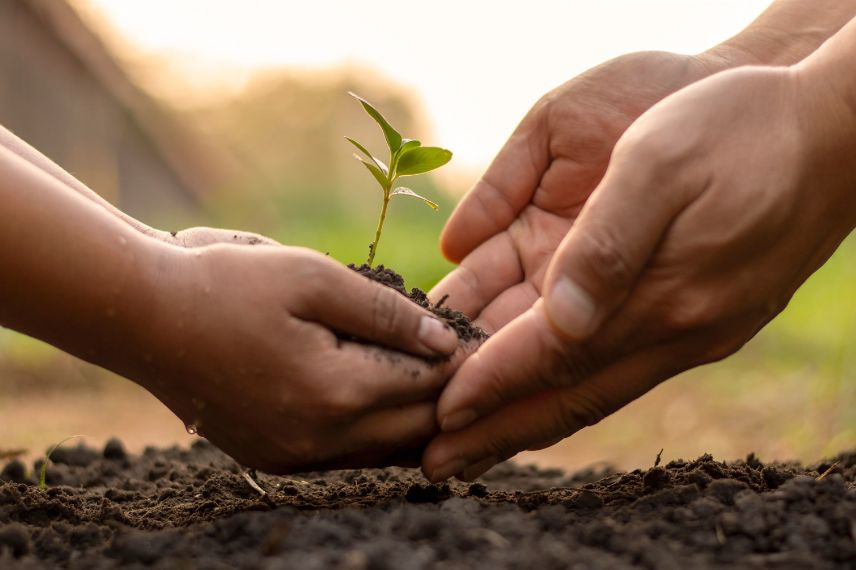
column 786, row 33
column 158, row 309
column 124, row 316
column 760, row 46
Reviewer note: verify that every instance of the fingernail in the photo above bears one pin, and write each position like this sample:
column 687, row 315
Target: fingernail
column 478, row 469
column 448, row 469
column 458, row 420
column 571, row 309
column 436, row 336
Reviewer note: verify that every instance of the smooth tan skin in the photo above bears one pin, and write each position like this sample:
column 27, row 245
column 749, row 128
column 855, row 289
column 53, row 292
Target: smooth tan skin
column 238, row 341
column 189, row 237
column 716, row 205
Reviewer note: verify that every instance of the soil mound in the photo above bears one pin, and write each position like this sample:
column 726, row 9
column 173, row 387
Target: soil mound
column 195, row 508
column 466, row 330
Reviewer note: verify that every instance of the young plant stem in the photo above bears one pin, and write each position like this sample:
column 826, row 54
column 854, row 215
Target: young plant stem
column 373, row 248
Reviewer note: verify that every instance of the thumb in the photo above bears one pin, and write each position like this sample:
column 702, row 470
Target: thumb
column 362, row 308
column 610, row 244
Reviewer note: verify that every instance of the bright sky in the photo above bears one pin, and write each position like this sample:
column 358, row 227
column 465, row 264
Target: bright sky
column 475, row 66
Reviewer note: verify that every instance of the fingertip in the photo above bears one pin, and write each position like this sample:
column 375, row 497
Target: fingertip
column 437, row 336
column 451, row 246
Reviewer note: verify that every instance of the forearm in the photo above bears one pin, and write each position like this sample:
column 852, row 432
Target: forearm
column 787, row 32
column 70, row 273
column 19, row 147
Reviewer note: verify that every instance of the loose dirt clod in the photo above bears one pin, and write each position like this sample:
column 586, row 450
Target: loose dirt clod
column 193, row 508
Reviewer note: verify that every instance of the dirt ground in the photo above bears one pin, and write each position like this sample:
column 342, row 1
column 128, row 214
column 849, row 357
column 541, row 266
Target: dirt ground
column 193, row 508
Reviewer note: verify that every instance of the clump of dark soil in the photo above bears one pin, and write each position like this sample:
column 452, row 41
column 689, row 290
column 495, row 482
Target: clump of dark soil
column 466, row 330
column 194, row 508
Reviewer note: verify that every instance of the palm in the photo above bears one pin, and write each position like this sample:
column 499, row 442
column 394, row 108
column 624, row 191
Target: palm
column 506, row 229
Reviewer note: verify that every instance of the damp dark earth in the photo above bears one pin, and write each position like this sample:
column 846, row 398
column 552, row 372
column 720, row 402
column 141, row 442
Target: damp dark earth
column 197, row 508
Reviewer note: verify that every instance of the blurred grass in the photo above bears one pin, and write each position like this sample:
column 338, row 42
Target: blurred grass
column 409, row 243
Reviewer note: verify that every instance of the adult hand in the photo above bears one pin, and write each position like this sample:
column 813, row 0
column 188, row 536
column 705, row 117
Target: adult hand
column 718, row 203
column 256, row 348
column 505, row 231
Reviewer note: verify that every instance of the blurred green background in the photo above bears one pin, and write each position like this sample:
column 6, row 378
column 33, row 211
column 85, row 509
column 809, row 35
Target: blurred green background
column 789, row 394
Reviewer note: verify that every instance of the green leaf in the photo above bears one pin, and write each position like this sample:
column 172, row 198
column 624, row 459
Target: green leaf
column 378, row 162
column 376, row 172
column 406, row 144
column 421, row 159
column 402, row 191
column 393, row 137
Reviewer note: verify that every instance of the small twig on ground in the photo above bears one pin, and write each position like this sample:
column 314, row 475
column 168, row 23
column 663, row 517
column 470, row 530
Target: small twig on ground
column 250, row 478
column 720, row 534
column 827, row 472
column 657, row 460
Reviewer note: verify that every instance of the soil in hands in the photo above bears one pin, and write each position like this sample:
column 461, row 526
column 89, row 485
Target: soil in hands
column 466, row 330
column 194, row 508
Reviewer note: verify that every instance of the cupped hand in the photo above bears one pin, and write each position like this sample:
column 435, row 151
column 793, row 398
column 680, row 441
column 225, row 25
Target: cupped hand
column 276, row 354
column 506, row 229
column 717, row 204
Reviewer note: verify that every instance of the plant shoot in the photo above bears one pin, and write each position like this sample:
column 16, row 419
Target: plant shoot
column 407, row 157
column 44, row 471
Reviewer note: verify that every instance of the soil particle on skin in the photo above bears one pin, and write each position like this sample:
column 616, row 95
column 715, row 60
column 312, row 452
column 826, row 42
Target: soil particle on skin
column 175, row 508
column 466, row 330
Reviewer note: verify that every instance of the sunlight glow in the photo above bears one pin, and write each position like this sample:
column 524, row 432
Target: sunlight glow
column 475, row 66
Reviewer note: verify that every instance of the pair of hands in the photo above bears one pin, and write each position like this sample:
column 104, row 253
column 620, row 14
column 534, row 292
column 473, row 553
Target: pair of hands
column 606, row 263
column 247, row 348
column 342, row 403
column 603, row 261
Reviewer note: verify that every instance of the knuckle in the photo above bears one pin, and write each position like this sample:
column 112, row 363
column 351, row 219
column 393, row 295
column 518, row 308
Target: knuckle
column 576, row 409
column 571, row 364
column 653, row 149
column 603, row 257
column 307, row 279
column 727, row 340
column 494, row 202
column 387, row 314
column 502, row 445
column 690, row 310
column 331, row 397
column 721, row 348
column 340, row 402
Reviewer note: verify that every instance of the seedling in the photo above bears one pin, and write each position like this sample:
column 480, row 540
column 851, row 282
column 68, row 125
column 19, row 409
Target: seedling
column 44, row 471
column 407, row 157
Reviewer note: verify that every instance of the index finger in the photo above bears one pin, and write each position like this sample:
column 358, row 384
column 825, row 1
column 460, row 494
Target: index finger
column 505, row 188
column 370, row 377
column 525, row 356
